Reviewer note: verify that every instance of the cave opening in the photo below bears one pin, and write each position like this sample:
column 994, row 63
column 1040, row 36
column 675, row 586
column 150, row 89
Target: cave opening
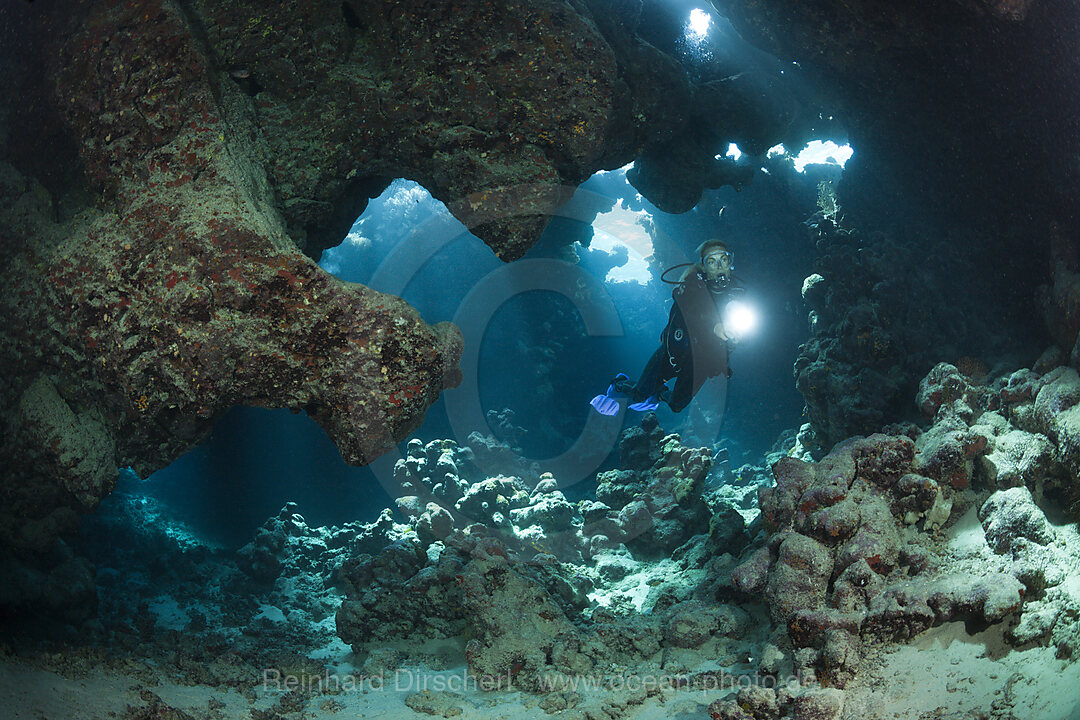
column 537, row 364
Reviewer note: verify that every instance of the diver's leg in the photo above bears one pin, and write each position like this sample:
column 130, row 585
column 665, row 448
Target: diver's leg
column 652, row 379
column 686, row 386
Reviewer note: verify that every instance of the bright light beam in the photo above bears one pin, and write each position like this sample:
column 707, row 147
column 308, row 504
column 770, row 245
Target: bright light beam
column 740, row 319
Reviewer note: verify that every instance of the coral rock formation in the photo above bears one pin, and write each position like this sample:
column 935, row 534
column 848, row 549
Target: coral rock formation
column 839, row 531
column 852, row 555
column 514, row 569
column 159, row 259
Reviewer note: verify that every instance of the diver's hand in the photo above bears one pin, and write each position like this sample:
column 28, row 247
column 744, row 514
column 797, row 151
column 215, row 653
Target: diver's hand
column 718, row 329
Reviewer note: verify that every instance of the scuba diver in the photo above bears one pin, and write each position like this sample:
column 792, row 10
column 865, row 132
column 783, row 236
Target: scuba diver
column 703, row 326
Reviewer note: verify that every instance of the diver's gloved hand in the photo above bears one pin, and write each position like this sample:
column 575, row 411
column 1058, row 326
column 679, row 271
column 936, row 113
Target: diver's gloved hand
column 606, row 404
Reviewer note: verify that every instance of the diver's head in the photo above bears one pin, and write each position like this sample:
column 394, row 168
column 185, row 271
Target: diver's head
column 716, row 259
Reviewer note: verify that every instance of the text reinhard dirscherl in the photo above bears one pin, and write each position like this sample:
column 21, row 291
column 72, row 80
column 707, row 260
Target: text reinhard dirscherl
column 412, row 680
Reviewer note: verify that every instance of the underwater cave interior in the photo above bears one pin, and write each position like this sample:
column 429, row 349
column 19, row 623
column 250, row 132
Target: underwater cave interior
column 313, row 309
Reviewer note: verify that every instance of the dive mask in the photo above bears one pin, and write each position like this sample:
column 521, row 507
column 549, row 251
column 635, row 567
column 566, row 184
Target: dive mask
column 721, row 255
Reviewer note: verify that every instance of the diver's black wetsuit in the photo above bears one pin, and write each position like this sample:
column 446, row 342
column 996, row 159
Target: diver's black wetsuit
column 690, row 350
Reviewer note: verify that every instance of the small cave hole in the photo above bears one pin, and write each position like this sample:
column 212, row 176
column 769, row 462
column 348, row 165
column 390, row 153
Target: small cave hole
column 351, row 18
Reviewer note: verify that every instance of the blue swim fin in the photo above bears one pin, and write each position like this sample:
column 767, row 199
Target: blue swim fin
column 650, row 403
column 605, row 404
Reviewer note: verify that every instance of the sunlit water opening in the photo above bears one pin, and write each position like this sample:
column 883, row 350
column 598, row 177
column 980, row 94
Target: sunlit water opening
column 823, row 152
column 622, row 228
column 695, row 40
column 816, row 152
column 698, row 25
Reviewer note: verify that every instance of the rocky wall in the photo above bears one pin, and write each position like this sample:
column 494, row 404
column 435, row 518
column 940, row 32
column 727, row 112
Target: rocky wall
column 855, row 555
